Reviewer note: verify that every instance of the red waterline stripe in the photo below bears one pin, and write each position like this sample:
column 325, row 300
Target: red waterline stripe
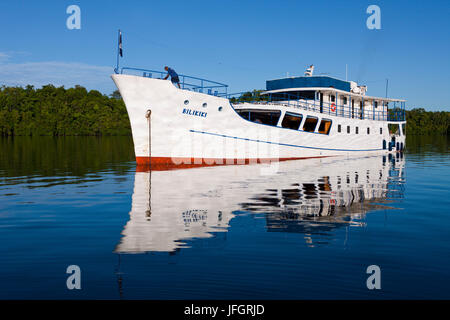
column 169, row 163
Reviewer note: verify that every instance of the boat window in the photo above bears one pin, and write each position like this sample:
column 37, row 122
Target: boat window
column 356, row 130
column 393, row 128
column 339, row 128
column 244, row 114
column 343, row 100
column 381, row 130
column 348, row 129
column 307, row 95
column 325, row 126
column 268, row 117
column 292, row 120
column 368, row 130
column 284, row 96
column 333, row 98
column 293, row 95
column 376, row 104
column 310, row 124
column 404, row 128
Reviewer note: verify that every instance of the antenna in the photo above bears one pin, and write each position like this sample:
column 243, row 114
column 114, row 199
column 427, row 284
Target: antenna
column 119, row 50
column 387, row 84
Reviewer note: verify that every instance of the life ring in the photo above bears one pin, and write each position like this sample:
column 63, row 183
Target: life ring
column 333, row 107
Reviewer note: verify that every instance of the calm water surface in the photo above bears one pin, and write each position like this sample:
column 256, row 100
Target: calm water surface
column 303, row 229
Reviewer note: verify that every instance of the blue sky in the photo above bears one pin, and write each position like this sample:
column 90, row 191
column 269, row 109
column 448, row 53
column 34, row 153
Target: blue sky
column 241, row 43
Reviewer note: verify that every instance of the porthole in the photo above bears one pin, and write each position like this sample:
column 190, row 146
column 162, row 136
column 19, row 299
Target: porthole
column 186, row 102
column 220, row 108
column 205, row 105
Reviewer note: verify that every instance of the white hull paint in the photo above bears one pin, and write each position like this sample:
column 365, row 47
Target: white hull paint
column 194, row 128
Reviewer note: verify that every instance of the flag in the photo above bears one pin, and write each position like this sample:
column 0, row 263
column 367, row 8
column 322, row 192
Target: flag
column 120, row 44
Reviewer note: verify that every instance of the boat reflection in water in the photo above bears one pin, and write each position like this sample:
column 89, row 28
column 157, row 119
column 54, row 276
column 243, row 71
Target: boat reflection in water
column 312, row 197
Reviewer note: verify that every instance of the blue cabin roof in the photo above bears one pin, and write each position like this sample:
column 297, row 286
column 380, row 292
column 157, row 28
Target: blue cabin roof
column 305, row 82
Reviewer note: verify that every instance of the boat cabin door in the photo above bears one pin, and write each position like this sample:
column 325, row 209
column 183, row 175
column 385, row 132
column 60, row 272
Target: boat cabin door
column 361, row 109
column 321, row 101
column 353, row 108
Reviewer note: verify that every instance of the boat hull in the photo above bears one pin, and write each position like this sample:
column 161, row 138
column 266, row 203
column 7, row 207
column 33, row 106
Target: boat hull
column 182, row 128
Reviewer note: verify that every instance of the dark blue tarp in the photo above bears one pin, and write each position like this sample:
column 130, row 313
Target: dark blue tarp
column 315, row 81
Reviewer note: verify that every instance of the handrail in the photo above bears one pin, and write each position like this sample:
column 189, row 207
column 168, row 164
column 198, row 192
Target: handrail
column 186, row 82
column 330, row 108
column 281, row 98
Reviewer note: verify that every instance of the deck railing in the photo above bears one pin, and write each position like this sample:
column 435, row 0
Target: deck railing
column 186, row 82
column 396, row 113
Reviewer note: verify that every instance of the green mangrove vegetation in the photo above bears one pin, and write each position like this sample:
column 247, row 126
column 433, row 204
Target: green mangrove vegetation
column 422, row 122
column 57, row 111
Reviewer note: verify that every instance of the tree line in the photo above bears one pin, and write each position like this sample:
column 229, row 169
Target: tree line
column 57, row 111
column 422, row 122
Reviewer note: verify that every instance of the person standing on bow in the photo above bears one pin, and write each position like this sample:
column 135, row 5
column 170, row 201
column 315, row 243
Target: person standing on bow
column 173, row 76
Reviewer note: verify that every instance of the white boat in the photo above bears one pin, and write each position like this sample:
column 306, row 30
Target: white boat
column 312, row 197
column 294, row 118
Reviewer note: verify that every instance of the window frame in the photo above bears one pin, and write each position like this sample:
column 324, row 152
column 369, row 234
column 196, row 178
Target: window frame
column 250, row 111
column 329, row 128
column 394, row 129
column 306, row 119
column 292, row 114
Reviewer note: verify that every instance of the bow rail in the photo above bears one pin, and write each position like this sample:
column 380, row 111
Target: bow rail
column 186, row 82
